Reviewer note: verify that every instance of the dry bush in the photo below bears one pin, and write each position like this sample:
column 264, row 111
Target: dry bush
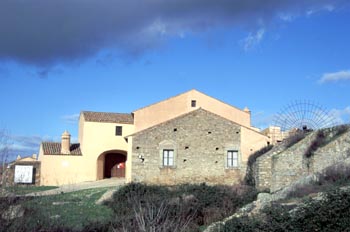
column 294, row 138
column 319, row 141
column 140, row 207
column 337, row 174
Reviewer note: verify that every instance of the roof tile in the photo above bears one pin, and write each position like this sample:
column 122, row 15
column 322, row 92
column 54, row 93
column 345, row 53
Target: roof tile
column 51, row 148
column 108, row 117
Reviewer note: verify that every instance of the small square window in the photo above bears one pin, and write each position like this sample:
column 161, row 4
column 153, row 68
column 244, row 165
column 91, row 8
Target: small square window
column 232, row 159
column 193, row 103
column 118, row 131
column 168, row 158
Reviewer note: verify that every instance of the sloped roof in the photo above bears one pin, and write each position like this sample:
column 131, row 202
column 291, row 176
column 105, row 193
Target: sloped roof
column 189, row 113
column 51, row 148
column 122, row 118
column 188, row 92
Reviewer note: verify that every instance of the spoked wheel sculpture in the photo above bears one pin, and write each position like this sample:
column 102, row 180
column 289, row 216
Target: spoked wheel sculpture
column 304, row 116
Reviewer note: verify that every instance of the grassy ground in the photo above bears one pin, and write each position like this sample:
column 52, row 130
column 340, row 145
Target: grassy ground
column 22, row 190
column 72, row 210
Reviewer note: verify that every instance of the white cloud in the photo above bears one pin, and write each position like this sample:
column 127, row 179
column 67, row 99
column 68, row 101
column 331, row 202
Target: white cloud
column 71, row 119
column 286, row 17
column 335, row 76
column 342, row 115
column 252, row 40
column 328, row 8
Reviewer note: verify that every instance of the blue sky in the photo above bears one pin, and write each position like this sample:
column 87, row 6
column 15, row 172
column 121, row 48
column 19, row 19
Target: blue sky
column 58, row 58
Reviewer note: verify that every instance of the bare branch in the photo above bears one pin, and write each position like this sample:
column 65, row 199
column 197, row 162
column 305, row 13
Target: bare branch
column 4, row 152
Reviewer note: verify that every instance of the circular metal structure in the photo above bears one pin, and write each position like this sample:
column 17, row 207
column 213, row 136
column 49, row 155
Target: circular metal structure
column 305, row 116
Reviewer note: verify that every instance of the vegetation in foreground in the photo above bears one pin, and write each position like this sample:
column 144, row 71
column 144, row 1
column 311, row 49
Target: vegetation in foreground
column 328, row 211
column 135, row 207
column 331, row 213
column 74, row 211
column 140, row 207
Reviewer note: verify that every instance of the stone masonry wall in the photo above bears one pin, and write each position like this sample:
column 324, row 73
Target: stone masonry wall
column 263, row 168
column 332, row 153
column 291, row 164
column 200, row 140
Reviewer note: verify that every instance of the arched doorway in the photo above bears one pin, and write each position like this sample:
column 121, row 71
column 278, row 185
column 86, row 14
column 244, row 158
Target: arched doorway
column 111, row 164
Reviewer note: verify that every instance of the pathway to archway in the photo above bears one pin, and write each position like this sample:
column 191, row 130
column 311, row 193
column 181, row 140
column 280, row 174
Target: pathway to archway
column 113, row 183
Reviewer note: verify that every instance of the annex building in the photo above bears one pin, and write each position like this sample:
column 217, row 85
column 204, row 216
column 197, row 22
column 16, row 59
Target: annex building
column 188, row 138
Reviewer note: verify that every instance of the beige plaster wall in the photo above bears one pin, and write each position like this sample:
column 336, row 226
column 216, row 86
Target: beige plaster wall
column 98, row 138
column 81, row 130
column 63, row 169
column 251, row 141
column 178, row 105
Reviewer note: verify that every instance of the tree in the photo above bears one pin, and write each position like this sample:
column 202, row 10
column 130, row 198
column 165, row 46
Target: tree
column 4, row 152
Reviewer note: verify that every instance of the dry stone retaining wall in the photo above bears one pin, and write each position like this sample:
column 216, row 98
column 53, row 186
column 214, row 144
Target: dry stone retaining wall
column 278, row 169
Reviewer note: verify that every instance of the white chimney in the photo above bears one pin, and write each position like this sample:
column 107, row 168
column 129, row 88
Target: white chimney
column 65, row 143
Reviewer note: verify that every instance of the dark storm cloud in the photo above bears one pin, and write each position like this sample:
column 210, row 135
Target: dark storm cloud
column 44, row 32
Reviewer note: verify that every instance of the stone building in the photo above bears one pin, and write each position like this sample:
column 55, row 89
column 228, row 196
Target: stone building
column 189, row 138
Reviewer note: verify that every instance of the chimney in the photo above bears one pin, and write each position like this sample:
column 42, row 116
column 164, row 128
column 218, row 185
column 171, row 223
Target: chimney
column 65, row 143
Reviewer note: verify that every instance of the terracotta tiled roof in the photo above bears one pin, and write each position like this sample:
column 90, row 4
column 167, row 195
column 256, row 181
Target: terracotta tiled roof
column 51, row 148
column 108, row 117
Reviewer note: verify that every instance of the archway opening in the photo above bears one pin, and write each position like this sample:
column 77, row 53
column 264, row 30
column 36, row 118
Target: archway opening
column 111, row 164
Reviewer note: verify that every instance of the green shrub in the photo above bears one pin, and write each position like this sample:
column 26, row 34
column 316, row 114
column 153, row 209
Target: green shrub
column 242, row 224
column 331, row 213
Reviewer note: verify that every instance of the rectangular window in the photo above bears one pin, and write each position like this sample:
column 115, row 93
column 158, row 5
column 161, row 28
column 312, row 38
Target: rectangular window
column 168, row 157
column 118, row 131
column 232, row 159
column 193, row 103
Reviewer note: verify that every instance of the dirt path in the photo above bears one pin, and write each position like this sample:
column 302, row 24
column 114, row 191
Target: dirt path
column 113, row 182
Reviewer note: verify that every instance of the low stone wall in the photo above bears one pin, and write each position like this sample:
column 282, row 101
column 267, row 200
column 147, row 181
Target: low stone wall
column 262, row 168
column 333, row 153
column 292, row 164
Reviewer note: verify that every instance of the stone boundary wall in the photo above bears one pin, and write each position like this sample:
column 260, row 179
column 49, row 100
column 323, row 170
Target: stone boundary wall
column 335, row 152
column 281, row 167
column 10, row 172
column 291, row 165
column 262, row 168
